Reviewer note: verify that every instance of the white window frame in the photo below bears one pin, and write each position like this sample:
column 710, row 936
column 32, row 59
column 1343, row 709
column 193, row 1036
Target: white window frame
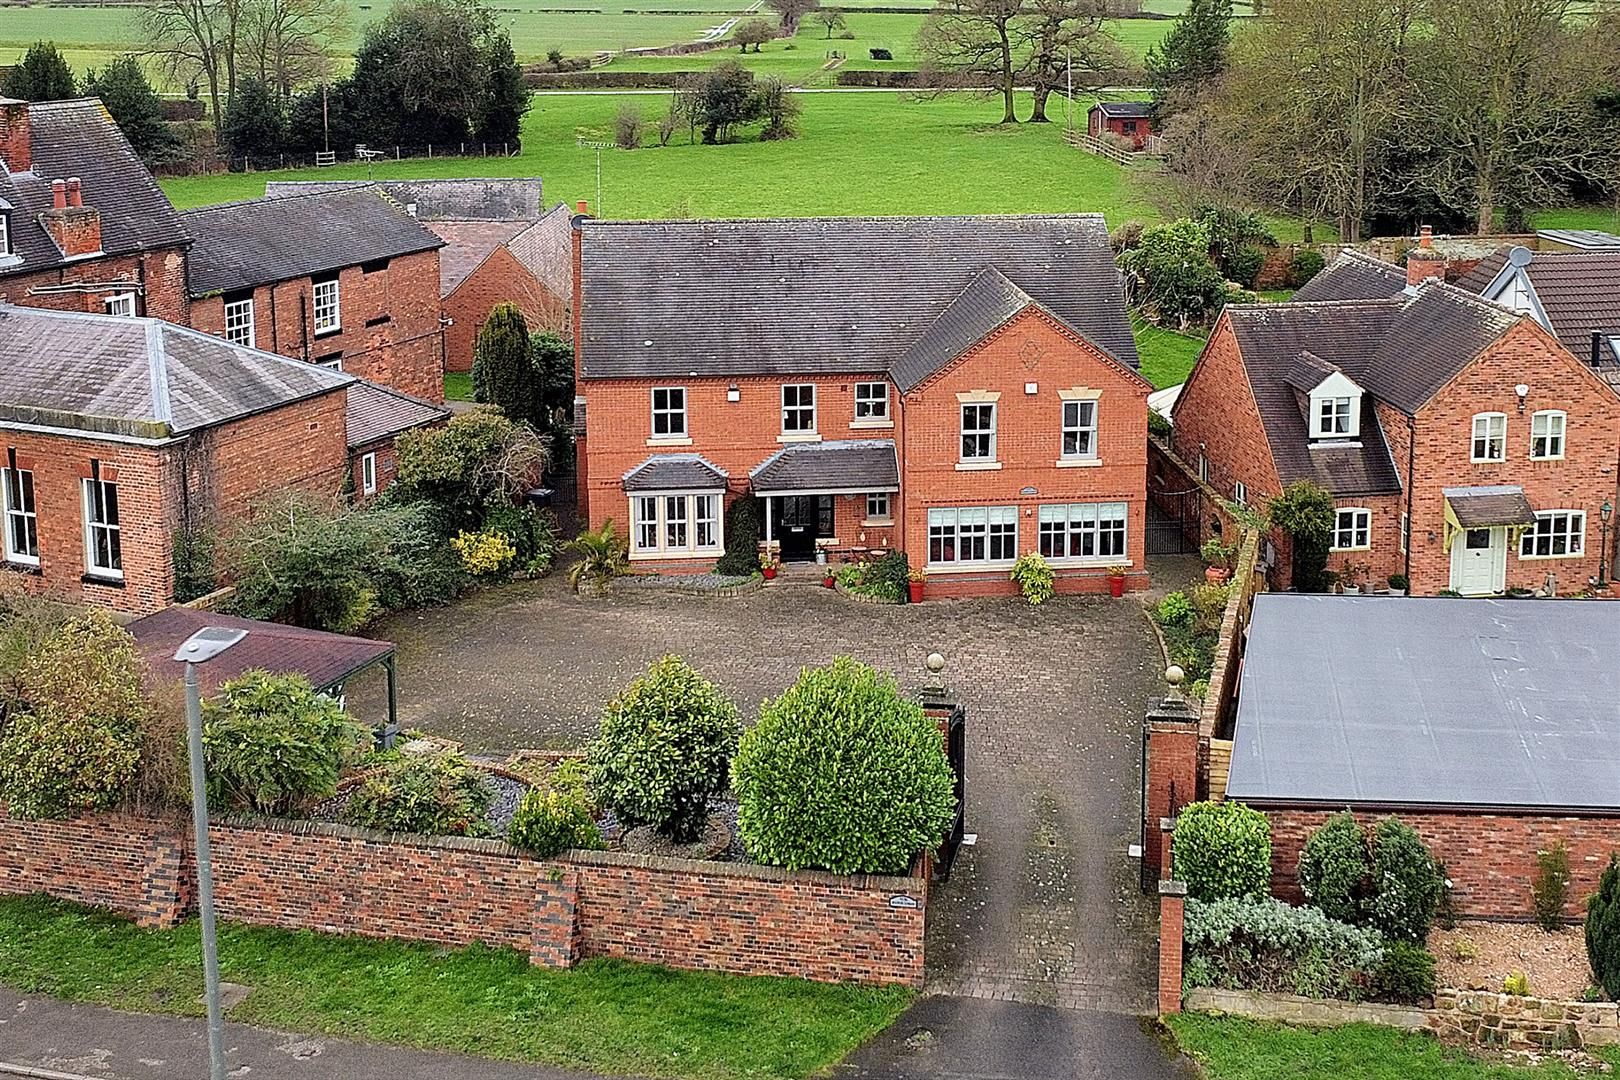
column 798, row 409
column 984, row 530
column 1573, row 536
column 21, row 509
column 1081, row 429
column 661, row 528
column 122, row 304
column 879, row 508
column 5, row 234
column 873, row 397
column 1240, row 493
column 983, row 432
column 1203, row 468
column 1063, row 527
column 239, row 330
column 368, row 473
column 1405, row 540
column 92, row 527
column 326, row 313
column 1358, row 530
column 1481, row 434
column 1332, row 418
column 670, row 412
column 1553, row 439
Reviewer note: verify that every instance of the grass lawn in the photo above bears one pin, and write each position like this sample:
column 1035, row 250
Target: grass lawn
column 458, row 385
column 603, row 1016
column 1601, row 218
column 1232, row 1049
column 1167, row 357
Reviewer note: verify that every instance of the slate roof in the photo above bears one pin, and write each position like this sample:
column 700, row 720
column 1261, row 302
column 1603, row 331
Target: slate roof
column 987, row 304
column 260, row 241
column 675, row 472
column 373, row 412
column 546, row 249
column 1579, row 291
column 1496, row 504
column 78, row 138
column 323, row 657
column 1126, row 110
column 1353, row 276
column 1409, row 701
column 826, row 295
column 140, row 378
column 1438, row 330
column 836, row 465
column 471, row 199
column 466, row 245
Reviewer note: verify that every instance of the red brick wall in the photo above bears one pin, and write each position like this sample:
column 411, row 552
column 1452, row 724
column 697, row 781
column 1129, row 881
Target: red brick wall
column 387, row 466
column 1490, row 858
column 160, row 278
column 1216, row 416
column 129, row 864
column 498, row 279
column 404, row 352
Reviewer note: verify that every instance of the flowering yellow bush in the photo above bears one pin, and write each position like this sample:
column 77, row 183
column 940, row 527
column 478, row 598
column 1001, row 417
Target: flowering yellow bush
column 484, row 553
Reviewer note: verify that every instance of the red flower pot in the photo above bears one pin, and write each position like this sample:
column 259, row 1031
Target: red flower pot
column 769, row 572
column 827, row 582
column 916, row 590
column 1116, row 586
column 1216, row 575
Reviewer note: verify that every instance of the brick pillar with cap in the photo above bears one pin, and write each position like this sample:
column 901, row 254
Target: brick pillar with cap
column 1172, row 916
column 1172, row 768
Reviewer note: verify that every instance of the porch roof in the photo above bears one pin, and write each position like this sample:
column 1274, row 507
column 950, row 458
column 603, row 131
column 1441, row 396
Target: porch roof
column 1482, row 507
column 326, row 659
column 819, row 468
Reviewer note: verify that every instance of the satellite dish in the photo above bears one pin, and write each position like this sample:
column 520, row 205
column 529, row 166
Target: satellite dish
column 1520, row 255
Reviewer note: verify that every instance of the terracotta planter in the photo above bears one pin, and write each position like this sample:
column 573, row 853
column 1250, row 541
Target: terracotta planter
column 915, row 588
column 1116, row 585
column 827, row 582
column 769, row 572
column 1216, row 575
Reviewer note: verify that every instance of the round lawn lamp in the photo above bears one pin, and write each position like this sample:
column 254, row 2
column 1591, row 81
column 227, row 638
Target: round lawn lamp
column 1604, row 512
column 201, row 647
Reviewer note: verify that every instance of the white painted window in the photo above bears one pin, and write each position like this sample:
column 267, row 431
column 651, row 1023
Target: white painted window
column 333, row 361
column 1556, row 534
column 1083, row 531
column 103, row 550
column 120, row 304
column 1516, row 296
column 979, row 431
column 1332, row 416
column 327, row 305
column 1079, row 430
column 680, row 523
column 5, row 234
column 22, row 523
column 1547, row 435
column 239, row 321
column 877, row 507
column 1352, row 529
column 1203, row 468
column 1240, row 493
column 1406, row 532
column 871, row 401
column 959, row 535
column 1490, row 437
column 669, row 412
column 798, row 408
column 368, row 474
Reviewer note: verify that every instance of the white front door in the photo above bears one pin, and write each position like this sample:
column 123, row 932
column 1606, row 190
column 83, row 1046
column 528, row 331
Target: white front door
column 1479, row 561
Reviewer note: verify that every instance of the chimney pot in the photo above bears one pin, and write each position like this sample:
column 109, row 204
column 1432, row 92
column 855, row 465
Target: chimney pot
column 59, row 194
column 73, row 196
column 582, row 207
column 1426, row 236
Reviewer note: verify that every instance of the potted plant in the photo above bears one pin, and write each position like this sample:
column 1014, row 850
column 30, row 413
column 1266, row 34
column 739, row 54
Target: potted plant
column 828, row 579
column 1397, row 584
column 1350, row 576
column 914, row 584
column 1219, row 558
column 1116, row 581
column 767, row 566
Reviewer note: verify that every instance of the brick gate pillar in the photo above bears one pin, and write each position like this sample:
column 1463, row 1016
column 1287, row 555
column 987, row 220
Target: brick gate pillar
column 1171, row 780
column 1172, row 912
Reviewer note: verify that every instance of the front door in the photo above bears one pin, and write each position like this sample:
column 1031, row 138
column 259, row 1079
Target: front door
column 1479, row 561
column 796, row 526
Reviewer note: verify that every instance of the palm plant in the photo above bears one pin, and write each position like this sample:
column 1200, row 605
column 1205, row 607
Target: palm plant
column 603, row 556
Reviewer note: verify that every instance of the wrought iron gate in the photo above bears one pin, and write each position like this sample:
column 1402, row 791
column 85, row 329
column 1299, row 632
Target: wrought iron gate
column 1173, row 521
column 956, row 750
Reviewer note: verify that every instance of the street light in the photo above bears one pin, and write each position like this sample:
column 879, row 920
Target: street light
column 200, row 647
column 1603, row 547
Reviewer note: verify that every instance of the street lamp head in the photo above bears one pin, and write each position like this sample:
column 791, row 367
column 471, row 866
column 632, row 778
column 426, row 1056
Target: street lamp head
column 1606, row 509
column 208, row 643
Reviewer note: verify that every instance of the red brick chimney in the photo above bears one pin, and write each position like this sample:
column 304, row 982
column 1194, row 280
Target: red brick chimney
column 582, row 457
column 74, row 227
column 1424, row 262
column 16, row 144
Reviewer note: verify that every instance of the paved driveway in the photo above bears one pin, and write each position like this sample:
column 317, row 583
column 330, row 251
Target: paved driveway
column 1043, row 909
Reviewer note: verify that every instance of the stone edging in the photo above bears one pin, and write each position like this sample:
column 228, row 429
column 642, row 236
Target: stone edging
column 1303, row 1011
column 724, row 592
column 861, row 598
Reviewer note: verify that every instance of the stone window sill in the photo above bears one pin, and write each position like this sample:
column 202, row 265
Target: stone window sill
column 977, row 466
column 870, row 425
column 103, row 580
column 799, row 437
column 677, row 440
column 1078, row 463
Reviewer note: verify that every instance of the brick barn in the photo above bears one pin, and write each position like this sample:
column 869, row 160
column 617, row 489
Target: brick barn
column 960, row 389
column 374, row 416
column 1131, row 120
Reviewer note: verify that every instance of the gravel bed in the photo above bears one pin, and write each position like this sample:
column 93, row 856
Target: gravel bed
column 508, row 793
column 681, row 582
column 1554, row 963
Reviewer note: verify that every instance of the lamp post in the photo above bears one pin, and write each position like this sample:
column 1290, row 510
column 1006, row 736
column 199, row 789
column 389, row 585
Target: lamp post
column 1604, row 512
column 202, row 646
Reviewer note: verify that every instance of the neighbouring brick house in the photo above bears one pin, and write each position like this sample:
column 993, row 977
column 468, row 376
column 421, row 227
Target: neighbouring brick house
column 1575, row 295
column 1465, row 448
column 1131, row 120
column 344, row 278
column 83, row 226
column 499, row 247
column 375, row 416
column 961, row 389
column 122, row 432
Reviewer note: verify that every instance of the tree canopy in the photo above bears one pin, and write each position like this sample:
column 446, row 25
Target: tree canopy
column 134, row 107
column 42, row 75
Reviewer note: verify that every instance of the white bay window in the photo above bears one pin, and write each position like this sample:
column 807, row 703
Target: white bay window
column 675, row 525
column 1083, row 531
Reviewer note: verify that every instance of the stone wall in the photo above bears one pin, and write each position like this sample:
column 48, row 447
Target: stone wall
column 1505, row 1022
column 1303, row 1011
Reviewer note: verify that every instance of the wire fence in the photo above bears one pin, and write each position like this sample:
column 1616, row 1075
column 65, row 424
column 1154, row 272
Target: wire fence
column 217, row 163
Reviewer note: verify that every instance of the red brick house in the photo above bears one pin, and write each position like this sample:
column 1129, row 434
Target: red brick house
column 120, row 432
column 961, row 389
column 1131, row 120
column 374, row 416
column 83, row 226
column 1465, row 448
column 344, row 278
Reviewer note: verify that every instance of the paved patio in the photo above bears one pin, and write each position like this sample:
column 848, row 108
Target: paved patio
column 1044, row 909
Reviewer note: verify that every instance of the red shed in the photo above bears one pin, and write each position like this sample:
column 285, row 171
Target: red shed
column 1132, row 119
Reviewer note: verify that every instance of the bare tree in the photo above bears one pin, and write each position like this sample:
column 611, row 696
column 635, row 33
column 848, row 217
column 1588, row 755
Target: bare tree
column 284, row 41
column 792, row 11
column 831, row 18
column 195, row 39
column 979, row 44
column 1064, row 36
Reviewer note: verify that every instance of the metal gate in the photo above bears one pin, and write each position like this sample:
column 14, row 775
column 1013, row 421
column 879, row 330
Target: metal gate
column 1173, row 521
column 956, row 750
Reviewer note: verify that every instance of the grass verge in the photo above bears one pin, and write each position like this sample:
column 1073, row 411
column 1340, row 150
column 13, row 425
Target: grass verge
column 1167, row 357
column 604, row 1016
column 458, row 385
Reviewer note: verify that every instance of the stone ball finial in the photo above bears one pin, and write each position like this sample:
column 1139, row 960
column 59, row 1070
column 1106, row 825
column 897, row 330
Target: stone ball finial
column 935, row 663
column 1174, row 675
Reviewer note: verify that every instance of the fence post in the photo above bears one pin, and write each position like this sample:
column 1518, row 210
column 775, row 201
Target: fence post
column 1172, row 916
column 1170, row 779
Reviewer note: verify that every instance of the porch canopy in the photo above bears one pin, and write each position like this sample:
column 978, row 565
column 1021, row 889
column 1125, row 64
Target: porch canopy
column 838, row 467
column 1486, row 508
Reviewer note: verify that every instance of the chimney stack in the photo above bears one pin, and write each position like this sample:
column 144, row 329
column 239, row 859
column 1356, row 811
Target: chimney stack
column 16, row 143
column 1423, row 262
column 74, row 227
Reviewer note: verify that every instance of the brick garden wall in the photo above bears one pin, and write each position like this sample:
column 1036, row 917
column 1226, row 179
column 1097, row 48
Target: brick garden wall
column 137, row 866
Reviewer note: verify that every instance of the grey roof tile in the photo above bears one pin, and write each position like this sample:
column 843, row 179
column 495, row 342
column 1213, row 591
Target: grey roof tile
column 1354, row 276
column 261, row 241
column 1437, row 332
column 325, row 658
column 675, row 472
column 470, row 199
column 987, row 304
column 1579, row 291
column 1125, row 110
column 374, row 412
column 1497, row 504
column 546, row 249
column 466, row 245
column 838, row 465
column 814, row 295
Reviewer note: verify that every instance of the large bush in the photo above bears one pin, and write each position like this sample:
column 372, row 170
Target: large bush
column 1334, row 868
column 1305, row 511
column 1305, row 265
column 742, row 539
column 272, row 744
column 58, row 765
column 550, row 821
column 664, row 749
column 431, row 794
column 1222, row 850
column 842, row 773
column 1264, row 944
column 1603, row 930
column 1171, row 274
column 478, row 462
column 1406, row 882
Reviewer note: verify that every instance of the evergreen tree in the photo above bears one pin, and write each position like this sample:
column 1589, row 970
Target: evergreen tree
column 1191, row 54
column 553, row 357
column 503, row 368
column 500, row 120
column 41, row 76
column 255, row 120
column 134, row 107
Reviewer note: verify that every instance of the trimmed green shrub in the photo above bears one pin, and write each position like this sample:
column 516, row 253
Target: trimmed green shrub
column 1334, row 869
column 1304, row 266
column 742, row 539
column 1264, row 944
column 890, row 577
column 1405, row 882
column 57, row 765
column 842, row 773
column 1034, row 577
column 1222, row 850
column 1404, row 976
column 503, row 371
column 272, row 745
column 430, row 794
column 1549, row 892
column 1174, row 610
column 550, row 821
column 1244, row 265
column 532, row 532
column 664, row 749
column 1603, row 930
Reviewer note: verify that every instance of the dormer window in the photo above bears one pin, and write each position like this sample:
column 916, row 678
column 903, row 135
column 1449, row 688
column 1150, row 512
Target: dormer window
column 1333, row 417
column 1336, row 408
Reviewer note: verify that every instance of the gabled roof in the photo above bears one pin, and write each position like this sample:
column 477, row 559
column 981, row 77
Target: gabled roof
column 78, row 138
column 836, row 465
column 988, row 303
column 470, row 199
column 261, row 241
column 1579, row 291
column 466, row 245
column 1125, row 110
column 1437, row 331
column 823, row 295
column 1494, row 504
column 373, row 411
column 546, row 250
column 676, row 472
column 139, row 378
column 1354, row 276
